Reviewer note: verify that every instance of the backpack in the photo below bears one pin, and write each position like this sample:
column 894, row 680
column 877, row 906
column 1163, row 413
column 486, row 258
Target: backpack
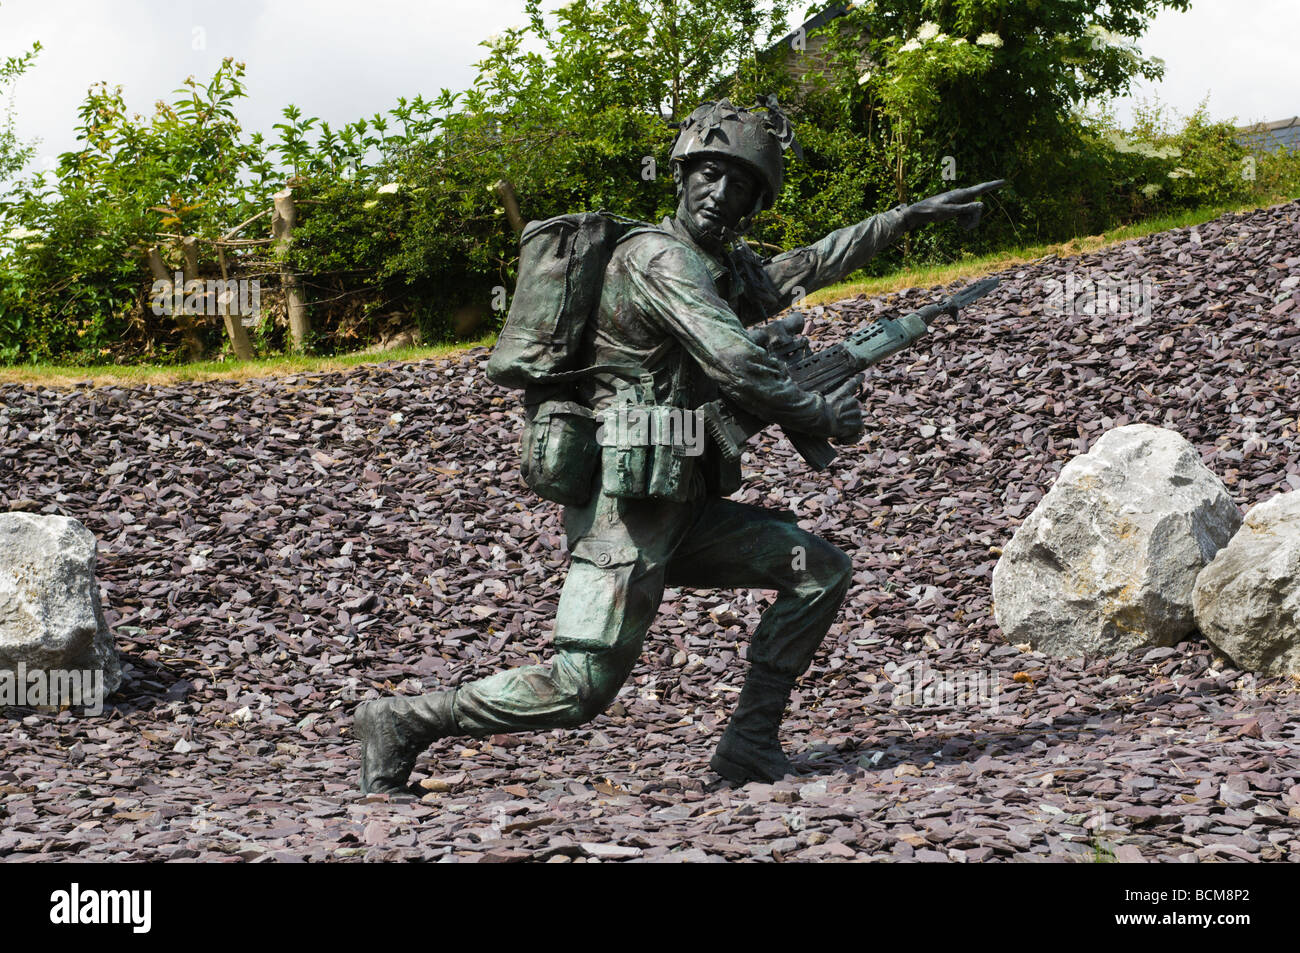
column 562, row 263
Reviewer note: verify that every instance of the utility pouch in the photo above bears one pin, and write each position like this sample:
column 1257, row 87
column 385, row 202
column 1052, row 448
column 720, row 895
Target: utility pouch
column 647, row 448
column 625, row 437
column 559, row 451
column 672, row 464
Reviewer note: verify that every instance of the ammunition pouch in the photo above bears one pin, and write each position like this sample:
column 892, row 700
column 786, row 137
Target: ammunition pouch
column 648, row 450
column 559, row 452
column 641, row 449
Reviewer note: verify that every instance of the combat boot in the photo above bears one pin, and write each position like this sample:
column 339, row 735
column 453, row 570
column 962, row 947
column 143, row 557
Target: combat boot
column 749, row 749
column 393, row 732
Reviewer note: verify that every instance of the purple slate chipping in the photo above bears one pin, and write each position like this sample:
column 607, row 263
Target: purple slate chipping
column 271, row 552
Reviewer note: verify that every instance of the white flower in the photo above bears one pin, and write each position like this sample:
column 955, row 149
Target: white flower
column 20, row 233
column 956, row 40
column 988, row 39
column 492, row 40
column 1101, row 38
column 1121, row 144
column 862, row 80
column 387, row 189
column 927, row 32
column 909, row 46
column 1097, row 35
column 1181, row 173
column 1151, row 189
column 1118, row 140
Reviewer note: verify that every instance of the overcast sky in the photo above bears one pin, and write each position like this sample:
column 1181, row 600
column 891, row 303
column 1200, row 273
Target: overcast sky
column 343, row 59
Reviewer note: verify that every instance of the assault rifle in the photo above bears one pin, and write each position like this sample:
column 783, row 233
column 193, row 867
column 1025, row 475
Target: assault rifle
column 826, row 370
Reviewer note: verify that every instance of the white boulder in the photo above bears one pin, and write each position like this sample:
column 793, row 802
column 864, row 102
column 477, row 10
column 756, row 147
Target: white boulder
column 1247, row 600
column 1107, row 560
column 50, row 614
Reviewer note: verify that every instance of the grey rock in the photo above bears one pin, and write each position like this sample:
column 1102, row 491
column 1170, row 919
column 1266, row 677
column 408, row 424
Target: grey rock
column 610, row 851
column 50, row 613
column 1107, row 560
column 1247, row 600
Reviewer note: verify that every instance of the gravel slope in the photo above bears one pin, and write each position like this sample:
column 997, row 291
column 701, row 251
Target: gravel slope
column 273, row 551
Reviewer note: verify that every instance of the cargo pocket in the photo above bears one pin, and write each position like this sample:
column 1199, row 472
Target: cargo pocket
column 598, row 610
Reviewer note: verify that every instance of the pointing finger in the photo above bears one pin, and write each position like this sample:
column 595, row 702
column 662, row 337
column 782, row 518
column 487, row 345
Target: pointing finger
column 977, row 190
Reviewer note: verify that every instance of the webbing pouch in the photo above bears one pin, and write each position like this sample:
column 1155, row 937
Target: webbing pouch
column 559, row 454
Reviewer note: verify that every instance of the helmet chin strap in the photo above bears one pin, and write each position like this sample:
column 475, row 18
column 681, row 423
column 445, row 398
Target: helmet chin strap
column 735, row 234
column 722, row 238
column 726, row 237
column 743, row 225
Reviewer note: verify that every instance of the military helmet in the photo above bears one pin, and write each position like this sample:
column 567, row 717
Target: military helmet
column 757, row 140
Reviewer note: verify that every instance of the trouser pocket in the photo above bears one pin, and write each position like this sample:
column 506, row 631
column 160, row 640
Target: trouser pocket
column 604, row 606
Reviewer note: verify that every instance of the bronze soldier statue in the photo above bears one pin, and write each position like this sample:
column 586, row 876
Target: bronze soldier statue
column 675, row 302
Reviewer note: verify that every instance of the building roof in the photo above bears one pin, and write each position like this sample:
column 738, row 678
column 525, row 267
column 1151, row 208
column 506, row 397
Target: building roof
column 833, row 12
column 805, row 55
column 1271, row 136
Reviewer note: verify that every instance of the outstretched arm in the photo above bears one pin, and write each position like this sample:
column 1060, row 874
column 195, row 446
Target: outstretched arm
column 803, row 270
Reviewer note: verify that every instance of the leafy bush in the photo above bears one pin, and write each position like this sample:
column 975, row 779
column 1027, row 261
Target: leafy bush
column 399, row 220
column 14, row 154
column 75, row 263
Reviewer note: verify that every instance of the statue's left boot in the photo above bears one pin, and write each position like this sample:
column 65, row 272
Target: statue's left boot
column 750, row 749
column 393, row 732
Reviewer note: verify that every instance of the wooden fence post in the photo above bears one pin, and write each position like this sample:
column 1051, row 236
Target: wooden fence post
column 176, row 303
column 235, row 329
column 505, row 191
column 282, row 222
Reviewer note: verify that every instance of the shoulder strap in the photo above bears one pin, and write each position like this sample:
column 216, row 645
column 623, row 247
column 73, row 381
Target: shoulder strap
column 641, row 230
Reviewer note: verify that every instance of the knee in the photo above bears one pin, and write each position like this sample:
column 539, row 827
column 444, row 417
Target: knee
column 588, row 704
column 834, row 572
column 591, row 684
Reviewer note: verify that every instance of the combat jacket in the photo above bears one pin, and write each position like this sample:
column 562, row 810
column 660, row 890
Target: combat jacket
column 660, row 285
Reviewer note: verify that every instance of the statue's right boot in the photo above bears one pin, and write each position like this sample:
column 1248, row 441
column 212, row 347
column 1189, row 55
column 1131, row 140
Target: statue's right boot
column 393, row 732
column 750, row 749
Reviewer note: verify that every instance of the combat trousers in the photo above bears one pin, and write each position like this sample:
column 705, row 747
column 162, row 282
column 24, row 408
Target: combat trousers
column 624, row 553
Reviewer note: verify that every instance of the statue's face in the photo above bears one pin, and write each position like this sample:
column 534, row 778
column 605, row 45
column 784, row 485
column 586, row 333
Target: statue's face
column 717, row 192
